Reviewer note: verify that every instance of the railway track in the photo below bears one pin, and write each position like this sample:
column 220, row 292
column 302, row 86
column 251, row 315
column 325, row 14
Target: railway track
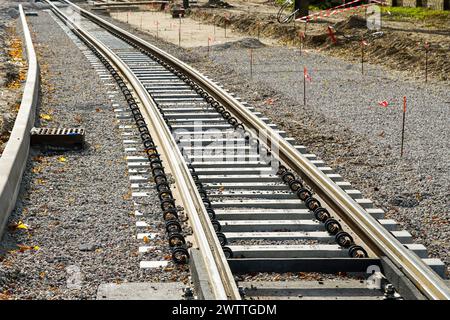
column 256, row 203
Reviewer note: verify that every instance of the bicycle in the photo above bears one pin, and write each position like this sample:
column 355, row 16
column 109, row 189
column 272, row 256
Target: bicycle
column 283, row 17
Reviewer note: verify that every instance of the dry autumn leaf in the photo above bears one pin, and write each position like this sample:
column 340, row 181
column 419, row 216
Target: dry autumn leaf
column 62, row 159
column 127, row 196
column 46, row 117
column 269, row 101
column 36, row 170
column 21, row 225
column 38, row 158
column 4, row 295
column 146, row 239
column 23, row 248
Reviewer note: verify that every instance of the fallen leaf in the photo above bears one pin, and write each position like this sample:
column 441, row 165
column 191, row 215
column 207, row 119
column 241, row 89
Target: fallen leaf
column 23, row 248
column 38, row 158
column 62, row 159
column 36, row 170
column 4, row 296
column 46, row 117
column 127, row 196
column 174, row 277
column 146, row 239
column 21, row 225
column 269, row 101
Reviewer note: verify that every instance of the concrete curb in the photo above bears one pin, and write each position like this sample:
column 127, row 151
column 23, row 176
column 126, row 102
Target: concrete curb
column 15, row 155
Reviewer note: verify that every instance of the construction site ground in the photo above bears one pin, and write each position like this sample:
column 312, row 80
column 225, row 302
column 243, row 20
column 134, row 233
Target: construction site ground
column 399, row 44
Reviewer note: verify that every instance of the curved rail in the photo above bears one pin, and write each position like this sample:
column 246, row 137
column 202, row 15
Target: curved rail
column 381, row 241
column 220, row 276
column 15, row 155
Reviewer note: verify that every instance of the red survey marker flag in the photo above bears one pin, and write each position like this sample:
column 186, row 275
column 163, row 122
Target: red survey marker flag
column 306, row 74
column 331, row 34
column 384, row 103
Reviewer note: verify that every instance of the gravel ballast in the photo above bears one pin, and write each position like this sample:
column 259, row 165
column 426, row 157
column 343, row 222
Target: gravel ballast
column 344, row 124
column 74, row 227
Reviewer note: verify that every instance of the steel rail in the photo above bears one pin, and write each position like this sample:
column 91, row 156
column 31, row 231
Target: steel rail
column 381, row 241
column 220, row 277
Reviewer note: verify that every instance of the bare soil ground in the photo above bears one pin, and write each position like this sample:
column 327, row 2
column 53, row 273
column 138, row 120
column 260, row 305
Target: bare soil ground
column 186, row 32
column 399, row 46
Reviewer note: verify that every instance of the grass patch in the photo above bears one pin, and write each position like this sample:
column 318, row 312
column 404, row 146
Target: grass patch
column 396, row 13
column 416, row 13
column 312, row 7
column 315, row 8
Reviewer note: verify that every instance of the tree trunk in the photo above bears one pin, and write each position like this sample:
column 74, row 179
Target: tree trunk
column 303, row 6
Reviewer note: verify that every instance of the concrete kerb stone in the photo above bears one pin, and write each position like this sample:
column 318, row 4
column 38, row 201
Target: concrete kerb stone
column 14, row 157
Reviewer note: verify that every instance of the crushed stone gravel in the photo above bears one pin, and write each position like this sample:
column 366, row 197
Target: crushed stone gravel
column 295, row 276
column 345, row 126
column 74, row 227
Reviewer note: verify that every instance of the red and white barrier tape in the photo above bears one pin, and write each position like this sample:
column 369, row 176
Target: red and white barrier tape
column 337, row 9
